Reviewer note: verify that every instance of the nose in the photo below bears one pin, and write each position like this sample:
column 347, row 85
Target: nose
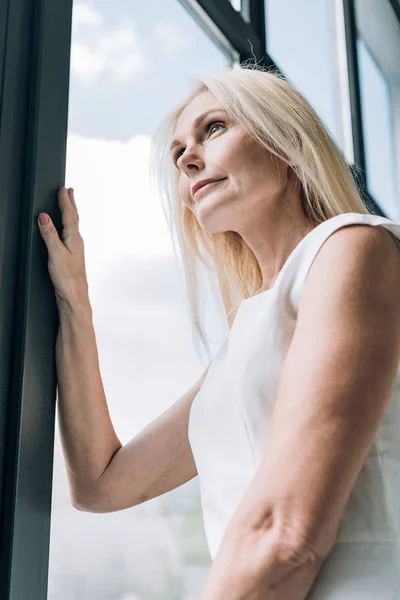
column 191, row 157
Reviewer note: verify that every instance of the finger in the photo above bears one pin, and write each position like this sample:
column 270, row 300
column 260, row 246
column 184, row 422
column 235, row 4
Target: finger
column 49, row 233
column 68, row 196
column 69, row 214
column 72, row 198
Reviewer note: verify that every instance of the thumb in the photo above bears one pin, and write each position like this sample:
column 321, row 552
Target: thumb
column 43, row 219
column 48, row 230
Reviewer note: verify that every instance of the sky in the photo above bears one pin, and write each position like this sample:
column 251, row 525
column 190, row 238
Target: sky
column 129, row 67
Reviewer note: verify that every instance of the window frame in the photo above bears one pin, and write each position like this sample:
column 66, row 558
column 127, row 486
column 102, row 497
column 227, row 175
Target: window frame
column 35, row 41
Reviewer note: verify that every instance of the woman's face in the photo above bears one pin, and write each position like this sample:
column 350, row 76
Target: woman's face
column 218, row 148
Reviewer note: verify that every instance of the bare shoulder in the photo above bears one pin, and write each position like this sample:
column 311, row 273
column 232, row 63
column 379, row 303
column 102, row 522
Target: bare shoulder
column 356, row 255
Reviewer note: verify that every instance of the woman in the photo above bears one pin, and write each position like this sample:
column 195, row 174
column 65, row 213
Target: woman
column 293, row 427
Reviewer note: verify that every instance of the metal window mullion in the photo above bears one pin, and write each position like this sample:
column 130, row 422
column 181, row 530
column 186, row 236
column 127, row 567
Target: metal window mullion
column 354, row 85
column 240, row 35
column 395, row 4
column 35, row 38
column 254, row 13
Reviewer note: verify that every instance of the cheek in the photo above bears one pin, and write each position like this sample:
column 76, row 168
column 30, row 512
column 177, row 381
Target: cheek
column 257, row 163
column 242, row 156
column 184, row 192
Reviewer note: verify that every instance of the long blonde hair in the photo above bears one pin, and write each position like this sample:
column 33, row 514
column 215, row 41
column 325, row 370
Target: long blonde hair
column 278, row 116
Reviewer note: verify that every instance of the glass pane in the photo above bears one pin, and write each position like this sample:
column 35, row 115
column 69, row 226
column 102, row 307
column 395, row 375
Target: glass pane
column 302, row 42
column 378, row 49
column 378, row 133
column 237, row 4
column 129, row 67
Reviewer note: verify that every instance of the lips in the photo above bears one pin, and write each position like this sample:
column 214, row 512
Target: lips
column 198, row 189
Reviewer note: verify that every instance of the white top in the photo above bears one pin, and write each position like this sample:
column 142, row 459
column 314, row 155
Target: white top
column 228, row 428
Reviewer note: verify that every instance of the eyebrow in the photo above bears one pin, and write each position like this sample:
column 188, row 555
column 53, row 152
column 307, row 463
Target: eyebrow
column 197, row 122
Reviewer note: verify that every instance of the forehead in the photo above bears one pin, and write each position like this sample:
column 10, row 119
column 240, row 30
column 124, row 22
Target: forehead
column 199, row 105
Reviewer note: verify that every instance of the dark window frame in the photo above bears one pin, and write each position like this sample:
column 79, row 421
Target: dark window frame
column 35, row 40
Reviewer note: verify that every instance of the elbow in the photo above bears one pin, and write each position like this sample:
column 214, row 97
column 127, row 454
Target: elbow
column 267, row 560
column 77, row 507
column 82, row 503
column 94, row 504
column 296, row 553
column 81, row 506
column 89, row 500
column 304, row 549
column 284, row 564
column 90, row 508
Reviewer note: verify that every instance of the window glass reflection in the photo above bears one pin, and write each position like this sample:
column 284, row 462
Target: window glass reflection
column 237, row 4
column 301, row 39
column 378, row 133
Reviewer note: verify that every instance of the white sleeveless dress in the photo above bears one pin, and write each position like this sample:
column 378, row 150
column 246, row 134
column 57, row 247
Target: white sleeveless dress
column 228, row 427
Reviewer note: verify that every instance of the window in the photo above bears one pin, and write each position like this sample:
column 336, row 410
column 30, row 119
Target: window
column 303, row 39
column 127, row 71
column 378, row 49
column 237, row 4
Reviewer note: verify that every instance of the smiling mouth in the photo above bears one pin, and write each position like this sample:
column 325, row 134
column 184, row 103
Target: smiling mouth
column 204, row 187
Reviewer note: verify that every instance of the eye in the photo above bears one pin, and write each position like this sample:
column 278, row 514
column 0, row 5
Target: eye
column 208, row 127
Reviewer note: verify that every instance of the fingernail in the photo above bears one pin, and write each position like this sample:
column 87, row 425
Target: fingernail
column 43, row 219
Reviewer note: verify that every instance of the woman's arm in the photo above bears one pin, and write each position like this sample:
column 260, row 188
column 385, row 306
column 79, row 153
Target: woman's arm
column 251, row 565
column 336, row 382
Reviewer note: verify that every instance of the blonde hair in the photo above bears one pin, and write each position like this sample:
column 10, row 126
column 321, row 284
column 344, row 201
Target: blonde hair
column 278, row 116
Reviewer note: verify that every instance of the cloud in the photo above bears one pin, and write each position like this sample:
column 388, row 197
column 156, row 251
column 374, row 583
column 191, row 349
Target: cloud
column 114, row 187
column 84, row 14
column 99, row 50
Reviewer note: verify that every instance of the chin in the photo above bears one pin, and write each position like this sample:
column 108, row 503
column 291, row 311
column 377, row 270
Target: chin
column 210, row 227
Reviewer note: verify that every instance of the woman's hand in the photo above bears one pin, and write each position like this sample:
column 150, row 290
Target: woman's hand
column 66, row 262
